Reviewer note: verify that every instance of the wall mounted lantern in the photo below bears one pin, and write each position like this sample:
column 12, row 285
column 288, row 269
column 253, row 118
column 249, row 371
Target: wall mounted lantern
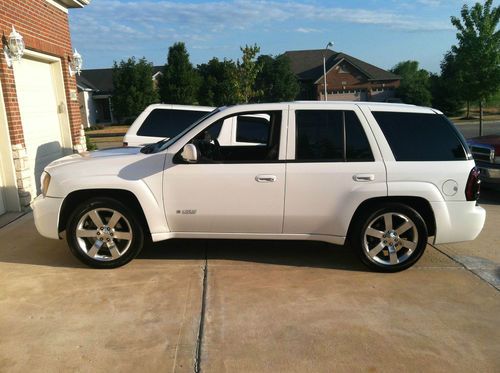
column 76, row 63
column 14, row 50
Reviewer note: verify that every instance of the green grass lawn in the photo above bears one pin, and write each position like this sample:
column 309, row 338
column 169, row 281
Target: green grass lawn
column 108, row 130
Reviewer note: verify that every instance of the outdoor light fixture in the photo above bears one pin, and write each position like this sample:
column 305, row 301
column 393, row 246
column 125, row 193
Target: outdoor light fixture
column 14, row 50
column 330, row 44
column 76, row 63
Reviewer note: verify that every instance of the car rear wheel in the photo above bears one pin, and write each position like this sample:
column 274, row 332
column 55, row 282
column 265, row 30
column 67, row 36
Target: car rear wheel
column 104, row 233
column 390, row 238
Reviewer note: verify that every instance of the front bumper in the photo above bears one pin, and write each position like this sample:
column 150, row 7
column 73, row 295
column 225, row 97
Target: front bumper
column 46, row 212
column 457, row 221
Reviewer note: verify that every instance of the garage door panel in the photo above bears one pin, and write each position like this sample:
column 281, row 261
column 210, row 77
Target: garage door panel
column 38, row 105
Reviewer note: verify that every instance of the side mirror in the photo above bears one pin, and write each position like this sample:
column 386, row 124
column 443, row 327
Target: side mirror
column 190, row 153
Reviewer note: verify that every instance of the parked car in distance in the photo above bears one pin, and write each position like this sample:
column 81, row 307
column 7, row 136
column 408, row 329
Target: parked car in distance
column 160, row 121
column 486, row 152
column 381, row 177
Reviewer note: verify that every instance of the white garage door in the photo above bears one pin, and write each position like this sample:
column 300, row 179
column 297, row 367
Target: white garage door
column 348, row 96
column 38, row 104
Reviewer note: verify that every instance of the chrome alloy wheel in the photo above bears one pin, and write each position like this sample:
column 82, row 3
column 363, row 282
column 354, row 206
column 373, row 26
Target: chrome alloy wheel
column 103, row 234
column 389, row 239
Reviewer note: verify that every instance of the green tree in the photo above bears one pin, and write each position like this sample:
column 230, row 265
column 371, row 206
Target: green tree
column 180, row 81
column 446, row 89
column 219, row 86
column 276, row 80
column 133, row 87
column 247, row 71
column 414, row 88
column 478, row 51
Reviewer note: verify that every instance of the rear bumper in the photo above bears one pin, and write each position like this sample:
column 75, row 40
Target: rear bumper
column 457, row 221
column 46, row 214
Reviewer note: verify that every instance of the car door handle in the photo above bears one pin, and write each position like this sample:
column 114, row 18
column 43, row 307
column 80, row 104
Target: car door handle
column 266, row 178
column 364, row 177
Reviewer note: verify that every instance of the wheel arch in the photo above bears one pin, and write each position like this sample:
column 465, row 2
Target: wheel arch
column 79, row 196
column 419, row 204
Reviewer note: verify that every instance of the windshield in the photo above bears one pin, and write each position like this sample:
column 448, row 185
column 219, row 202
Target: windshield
column 165, row 143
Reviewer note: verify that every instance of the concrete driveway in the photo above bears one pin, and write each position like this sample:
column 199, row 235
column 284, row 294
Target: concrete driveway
column 249, row 306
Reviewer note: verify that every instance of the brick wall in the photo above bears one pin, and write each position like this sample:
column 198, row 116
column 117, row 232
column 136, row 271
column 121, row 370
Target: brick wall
column 45, row 29
column 346, row 77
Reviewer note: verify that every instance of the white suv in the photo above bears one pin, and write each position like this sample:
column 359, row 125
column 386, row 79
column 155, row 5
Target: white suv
column 160, row 121
column 383, row 177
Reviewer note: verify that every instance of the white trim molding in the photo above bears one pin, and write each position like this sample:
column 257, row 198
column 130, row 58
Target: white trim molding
column 65, row 4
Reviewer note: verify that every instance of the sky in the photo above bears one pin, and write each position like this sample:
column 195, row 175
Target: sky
column 381, row 32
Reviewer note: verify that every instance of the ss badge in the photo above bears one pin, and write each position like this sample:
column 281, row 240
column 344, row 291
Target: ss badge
column 186, row 212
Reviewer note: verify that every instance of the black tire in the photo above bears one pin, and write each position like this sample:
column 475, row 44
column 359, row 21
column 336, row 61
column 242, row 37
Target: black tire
column 105, row 250
column 377, row 252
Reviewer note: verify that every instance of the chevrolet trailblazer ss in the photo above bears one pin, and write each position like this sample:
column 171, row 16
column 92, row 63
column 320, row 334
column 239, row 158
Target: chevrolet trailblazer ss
column 383, row 177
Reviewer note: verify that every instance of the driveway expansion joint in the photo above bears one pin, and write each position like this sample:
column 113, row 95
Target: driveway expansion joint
column 487, row 276
column 199, row 339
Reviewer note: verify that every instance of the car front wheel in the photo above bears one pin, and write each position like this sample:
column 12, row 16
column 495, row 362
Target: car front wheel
column 104, row 233
column 390, row 238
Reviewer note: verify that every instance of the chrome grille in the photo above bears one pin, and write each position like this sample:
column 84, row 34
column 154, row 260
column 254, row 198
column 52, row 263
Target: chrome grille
column 482, row 153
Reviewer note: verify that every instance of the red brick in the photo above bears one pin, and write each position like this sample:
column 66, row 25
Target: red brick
column 45, row 29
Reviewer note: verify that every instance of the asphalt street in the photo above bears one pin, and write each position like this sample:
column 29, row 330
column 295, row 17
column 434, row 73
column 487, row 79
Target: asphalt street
column 472, row 129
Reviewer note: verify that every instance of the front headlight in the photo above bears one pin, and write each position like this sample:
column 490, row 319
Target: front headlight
column 45, row 181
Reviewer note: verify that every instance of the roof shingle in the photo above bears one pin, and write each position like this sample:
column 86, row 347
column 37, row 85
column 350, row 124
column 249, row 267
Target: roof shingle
column 308, row 64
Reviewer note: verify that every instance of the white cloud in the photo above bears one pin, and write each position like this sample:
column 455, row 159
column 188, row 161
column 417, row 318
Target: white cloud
column 306, row 30
column 216, row 16
column 430, row 2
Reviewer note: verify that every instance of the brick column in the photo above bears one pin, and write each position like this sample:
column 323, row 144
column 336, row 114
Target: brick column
column 23, row 174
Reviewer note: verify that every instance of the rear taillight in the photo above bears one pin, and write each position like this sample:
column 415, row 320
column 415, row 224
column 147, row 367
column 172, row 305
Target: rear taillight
column 473, row 185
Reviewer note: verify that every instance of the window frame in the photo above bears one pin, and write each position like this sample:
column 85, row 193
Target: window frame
column 292, row 138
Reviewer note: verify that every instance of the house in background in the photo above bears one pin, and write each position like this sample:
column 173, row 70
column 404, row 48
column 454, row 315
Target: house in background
column 39, row 116
column 95, row 89
column 348, row 79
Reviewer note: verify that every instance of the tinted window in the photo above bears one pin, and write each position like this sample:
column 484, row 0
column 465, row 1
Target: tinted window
column 357, row 145
column 168, row 123
column 421, row 137
column 319, row 135
column 252, row 129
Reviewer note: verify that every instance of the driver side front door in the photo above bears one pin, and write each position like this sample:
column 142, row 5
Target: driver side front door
column 243, row 193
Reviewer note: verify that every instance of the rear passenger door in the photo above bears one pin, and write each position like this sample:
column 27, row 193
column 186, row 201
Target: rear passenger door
column 333, row 165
